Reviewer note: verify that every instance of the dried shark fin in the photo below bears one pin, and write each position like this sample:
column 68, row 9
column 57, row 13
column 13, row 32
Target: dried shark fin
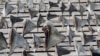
column 86, row 38
column 70, row 33
column 63, row 20
column 81, row 10
column 17, row 41
column 71, row 8
column 20, row 6
column 50, row 16
column 91, row 29
column 62, row 7
column 79, row 48
column 88, row 20
column 14, row 19
column 3, row 42
column 90, row 6
column 37, row 41
column 42, row 6
column 97, row 18
column 32, row 12
column 7, row 9
column 62, row 51
column 3, row 23
column 28, row 26
column 77, row 23
column 53, row 37
column 53, row 4
column 30, row 4
column 26, row 54
column 40, row 21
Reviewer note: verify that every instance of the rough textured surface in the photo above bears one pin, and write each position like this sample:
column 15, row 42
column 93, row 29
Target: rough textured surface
column 55, row 10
